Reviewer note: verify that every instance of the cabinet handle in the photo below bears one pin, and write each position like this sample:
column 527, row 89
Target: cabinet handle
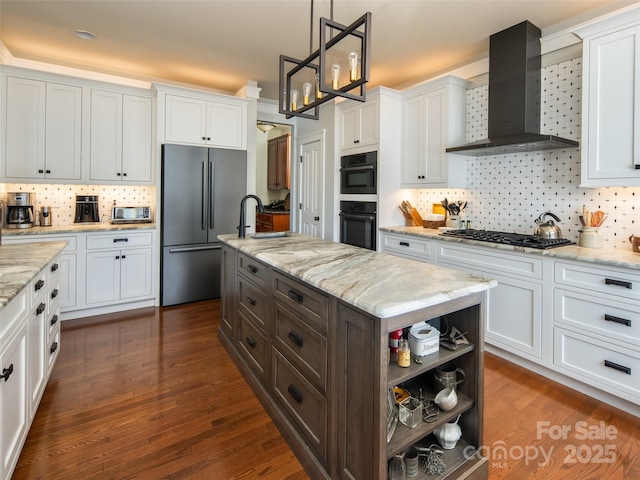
column 40, row 171
column 252, row 269
column 48, row 171
column 622, row 321
column 295, row 338
column 356, row 141
column 54, row 320
column 316, row 219
column 40, row 309
column 54, row 267
column 54, row 347
column 204, row 138
column 295, row 394
column 117, row 257
column 404, row 244
column 6, row 373
column 54, row 293
column 118, row 174
column 618, row 283
column 251, row 301
column 297, row 297
column 124, row 174
column 251, row 342
column 124, row 256
column 637, row 165
column 118, row 240
column 208, row 138
column 39, row 284
column 618, row 367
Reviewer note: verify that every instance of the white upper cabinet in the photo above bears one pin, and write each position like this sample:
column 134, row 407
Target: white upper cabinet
column 359, row 124
column 610, row 144
column 43, row 130
column 120, row 137
column 433, row 118
column 213, row 123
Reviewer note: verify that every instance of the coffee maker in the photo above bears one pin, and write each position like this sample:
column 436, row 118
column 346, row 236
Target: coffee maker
column 86, row 209
column 19, row 210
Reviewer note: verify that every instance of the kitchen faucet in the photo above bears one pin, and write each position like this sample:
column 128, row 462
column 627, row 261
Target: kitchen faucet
column 242, row 228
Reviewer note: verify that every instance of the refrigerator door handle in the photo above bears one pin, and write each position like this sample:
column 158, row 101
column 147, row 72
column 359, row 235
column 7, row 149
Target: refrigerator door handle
column 203, row 197
column 212, row 193
column 195, row 249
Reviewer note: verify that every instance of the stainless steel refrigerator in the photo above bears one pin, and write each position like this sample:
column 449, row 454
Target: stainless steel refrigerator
column 201, row 193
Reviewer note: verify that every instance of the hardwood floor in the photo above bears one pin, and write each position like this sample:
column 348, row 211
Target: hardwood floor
column 153, row 395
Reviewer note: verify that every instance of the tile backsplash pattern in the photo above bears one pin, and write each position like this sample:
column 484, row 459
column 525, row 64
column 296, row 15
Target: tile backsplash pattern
column 62, row 198
column 508, row 192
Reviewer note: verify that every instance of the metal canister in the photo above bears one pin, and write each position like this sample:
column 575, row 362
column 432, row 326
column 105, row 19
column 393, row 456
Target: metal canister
column 45, row 216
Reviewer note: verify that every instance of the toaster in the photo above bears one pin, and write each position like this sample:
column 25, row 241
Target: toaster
column 131, row 215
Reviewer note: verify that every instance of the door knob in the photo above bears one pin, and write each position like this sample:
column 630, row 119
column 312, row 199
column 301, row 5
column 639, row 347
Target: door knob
column 316, row 219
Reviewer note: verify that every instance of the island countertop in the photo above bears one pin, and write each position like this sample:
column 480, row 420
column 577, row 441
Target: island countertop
column 380, row 284
column 20, row 263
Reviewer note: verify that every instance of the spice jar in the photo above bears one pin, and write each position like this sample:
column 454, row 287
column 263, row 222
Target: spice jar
column 404, row 354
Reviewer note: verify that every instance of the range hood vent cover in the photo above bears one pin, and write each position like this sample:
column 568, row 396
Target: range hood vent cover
column 514, row 96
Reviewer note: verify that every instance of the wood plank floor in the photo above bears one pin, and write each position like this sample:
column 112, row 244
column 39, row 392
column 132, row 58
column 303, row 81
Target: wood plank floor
column 153, row 395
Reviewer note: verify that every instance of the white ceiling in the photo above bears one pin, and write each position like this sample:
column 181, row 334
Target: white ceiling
column 221, row 44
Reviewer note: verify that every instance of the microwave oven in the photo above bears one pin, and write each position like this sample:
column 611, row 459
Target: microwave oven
column 358, row 173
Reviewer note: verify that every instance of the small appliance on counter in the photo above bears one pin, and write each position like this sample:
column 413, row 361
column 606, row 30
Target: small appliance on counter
column 130, row 215
column 86, row 209
column 19, row 210
column 45, row 216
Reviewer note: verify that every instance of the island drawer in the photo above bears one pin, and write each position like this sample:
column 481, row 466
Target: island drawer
column 618, row 282
column 592, row 360
column 251, row 268
column 607, row 318
column 310, row 305
column 254, row 301
column 253, row 344
column 406, row 245
column 301, row 401
column 301, row 345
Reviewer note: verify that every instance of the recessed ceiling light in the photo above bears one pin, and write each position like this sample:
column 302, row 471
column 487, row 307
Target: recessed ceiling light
column 84, row 34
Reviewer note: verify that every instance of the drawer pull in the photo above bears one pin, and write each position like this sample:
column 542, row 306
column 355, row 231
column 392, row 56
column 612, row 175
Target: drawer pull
column 54, row 320
column 54, row 293
column 6, row 373
column 252, row 269
column 54, row 347
column 251, row 301
column 295, row 338
column 622, row 321
column 618, row 367
column 54, row 267
column 118, row 240
column 617, row 283
column 404, row 244
column 297, row 297
column 295, row 394
column 40, row 309
column 251, row 342
column 39, row 284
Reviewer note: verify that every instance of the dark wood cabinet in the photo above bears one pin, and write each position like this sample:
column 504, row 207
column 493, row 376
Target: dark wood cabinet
column 272, row 222
column 278, row 154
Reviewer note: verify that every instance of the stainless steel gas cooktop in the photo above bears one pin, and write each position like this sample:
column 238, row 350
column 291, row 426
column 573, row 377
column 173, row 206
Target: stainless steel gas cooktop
column 507, row 238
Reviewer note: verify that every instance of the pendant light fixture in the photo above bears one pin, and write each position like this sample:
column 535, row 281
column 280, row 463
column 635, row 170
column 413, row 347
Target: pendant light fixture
column 339, row 68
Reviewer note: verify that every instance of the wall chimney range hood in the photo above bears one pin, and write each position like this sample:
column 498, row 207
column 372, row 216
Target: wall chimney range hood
column 514, row 97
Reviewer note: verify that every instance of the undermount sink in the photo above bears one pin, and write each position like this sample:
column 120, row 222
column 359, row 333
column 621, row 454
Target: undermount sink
column 271, row 234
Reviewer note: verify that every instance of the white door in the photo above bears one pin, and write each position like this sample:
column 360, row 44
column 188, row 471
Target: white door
column 311, row 186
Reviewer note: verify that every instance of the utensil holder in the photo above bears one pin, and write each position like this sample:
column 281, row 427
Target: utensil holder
column 590, row 237
column 453, row 221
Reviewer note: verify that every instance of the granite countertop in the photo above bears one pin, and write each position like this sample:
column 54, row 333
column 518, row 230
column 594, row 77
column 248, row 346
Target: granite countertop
column 20, row 263
column 76, row 228
column 380, row 284
column 614, row 257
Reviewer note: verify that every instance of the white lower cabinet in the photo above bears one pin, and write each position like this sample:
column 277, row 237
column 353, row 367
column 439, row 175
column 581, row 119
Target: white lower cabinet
column 407, row 246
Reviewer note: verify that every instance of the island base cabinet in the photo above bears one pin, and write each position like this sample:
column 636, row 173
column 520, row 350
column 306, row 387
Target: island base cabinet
column 228, row 296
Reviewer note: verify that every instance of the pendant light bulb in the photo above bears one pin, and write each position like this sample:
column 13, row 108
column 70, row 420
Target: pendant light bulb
column 294, row 100
column 318, row 92
column 335, row 76
column 353, row 66
column 306, row 91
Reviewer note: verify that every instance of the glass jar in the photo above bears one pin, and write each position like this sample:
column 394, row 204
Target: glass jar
column 397, row 468
column 404, row 354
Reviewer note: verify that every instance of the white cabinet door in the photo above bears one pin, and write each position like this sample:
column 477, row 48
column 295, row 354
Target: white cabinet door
column 13, row 400
column 25, row 148
column 63, row 138
column 36, row 362
column 67, row 280
column 226, row 125
column 350, row 127
column 413, row 138
column 106, row 135
column 611, row 109
column 135, row 273
column 360, row 125
column 103, row 276
column 136, row 139
column 186, row 120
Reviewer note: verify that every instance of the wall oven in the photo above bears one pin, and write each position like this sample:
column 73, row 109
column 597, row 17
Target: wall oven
column 358, row 173
column 358, row 224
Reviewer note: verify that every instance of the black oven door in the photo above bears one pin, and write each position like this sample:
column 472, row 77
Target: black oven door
column 361, row 179
column 358, row 229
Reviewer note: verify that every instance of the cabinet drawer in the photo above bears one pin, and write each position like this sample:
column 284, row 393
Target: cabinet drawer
column 72, row 241
column 257, row 271
column 53, row 349
column 607, row 318
column 406, row 245
column 253, row 301
column 609, row 365
column 301, row 345
column 304, row 404
column 13, row 313
column 309, row 305
column 122, row 240
column 616, row 282
column 520, row 265
column 253, row 343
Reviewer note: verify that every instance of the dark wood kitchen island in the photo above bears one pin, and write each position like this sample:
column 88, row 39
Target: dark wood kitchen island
column 307, row 322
